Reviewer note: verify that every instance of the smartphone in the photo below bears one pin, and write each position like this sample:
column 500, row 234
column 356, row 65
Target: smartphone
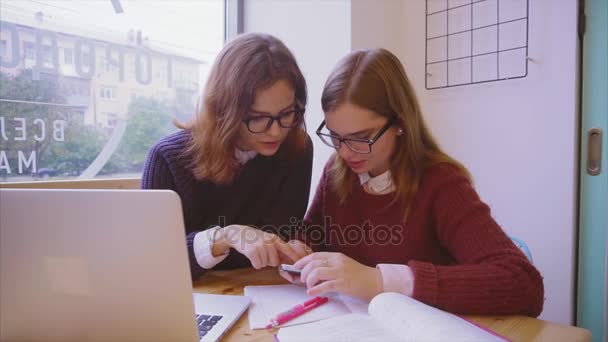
column 289, row 269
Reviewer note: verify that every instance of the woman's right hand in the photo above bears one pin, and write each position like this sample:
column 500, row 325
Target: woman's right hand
column 261, row 248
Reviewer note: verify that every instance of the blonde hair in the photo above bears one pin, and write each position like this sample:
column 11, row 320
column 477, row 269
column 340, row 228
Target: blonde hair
column 375, row 80
column 248, row 63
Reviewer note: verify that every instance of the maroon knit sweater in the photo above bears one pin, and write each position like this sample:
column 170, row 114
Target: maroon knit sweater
column 463, row 262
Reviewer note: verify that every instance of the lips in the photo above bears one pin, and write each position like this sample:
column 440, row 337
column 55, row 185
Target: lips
column 355, row 164
column 270, row 144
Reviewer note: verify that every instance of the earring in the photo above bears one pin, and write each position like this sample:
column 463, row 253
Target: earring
column 400, row 131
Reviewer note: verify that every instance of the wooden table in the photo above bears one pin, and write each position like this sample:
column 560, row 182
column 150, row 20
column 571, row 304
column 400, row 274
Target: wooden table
column 517, row 328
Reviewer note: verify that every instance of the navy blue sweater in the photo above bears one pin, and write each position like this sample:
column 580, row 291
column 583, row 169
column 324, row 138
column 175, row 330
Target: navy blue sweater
column 266, row 192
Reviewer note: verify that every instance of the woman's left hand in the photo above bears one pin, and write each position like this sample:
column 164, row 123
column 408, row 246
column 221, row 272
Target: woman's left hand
column 324, row 272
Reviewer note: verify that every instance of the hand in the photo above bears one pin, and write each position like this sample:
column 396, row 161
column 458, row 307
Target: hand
column 324, row 272
column 261, row 248
column 302, row 250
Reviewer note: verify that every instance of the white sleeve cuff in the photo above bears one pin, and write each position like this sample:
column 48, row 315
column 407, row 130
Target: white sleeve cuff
column 202, row 246
column 397, row 278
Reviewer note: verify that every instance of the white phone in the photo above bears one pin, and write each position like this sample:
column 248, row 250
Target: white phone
column 289, row 269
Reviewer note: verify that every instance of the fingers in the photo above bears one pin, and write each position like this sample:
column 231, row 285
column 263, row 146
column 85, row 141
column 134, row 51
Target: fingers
column 309, row 268
column 286, row 250
column 323, row 288
column 319, row 274
column 299, row 248
column 260, row 248
column 263, row 252
column 273, row 256
column 283, row 259
column 267, row 252
column 254, row 257
column 314, row 256
column 265, row 249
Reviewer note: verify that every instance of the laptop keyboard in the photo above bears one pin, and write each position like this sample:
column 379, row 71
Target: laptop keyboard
column 205, row 323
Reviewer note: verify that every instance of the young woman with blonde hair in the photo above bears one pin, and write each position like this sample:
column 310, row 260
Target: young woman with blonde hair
column 394, row 213
column 242, row 167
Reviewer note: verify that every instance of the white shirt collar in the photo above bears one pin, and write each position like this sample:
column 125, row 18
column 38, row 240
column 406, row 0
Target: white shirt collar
column 379, row 185
column 244, row 156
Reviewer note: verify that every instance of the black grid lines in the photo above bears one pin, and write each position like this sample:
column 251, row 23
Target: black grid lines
column 475, row 41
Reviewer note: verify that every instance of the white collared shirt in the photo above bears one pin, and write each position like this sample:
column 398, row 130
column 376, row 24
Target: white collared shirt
column 379, row 185
column 244, row 156
column 203, row 241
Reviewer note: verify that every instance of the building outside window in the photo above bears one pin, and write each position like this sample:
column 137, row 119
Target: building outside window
column 3, row 47
column 113, row 74
column 68, row 56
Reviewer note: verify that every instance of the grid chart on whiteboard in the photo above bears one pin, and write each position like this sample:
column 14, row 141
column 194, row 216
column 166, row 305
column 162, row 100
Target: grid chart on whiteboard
column 475, row 41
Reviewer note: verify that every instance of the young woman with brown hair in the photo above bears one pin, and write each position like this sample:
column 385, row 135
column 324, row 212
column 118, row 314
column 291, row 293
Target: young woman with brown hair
column 394, row 213
column 242, row 167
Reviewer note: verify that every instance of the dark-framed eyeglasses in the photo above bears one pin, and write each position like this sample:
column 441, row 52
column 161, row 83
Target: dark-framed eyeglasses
column 262, row 123
column 363, row 146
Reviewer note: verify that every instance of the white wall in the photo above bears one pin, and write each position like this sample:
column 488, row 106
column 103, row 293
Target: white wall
column 318, row 34
column 376, row 24
column 517, row 137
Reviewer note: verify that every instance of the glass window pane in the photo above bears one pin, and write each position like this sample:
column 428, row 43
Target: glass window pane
column 68, row 55
column 106, row 81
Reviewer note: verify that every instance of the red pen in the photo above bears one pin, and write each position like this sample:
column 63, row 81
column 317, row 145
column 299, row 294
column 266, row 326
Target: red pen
column 296, row 311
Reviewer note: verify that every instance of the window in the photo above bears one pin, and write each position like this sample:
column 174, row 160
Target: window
column 3, row 47
column 85, row 58
column 108, row 66
column 102, row 63
column 107, row 92
column 47, row 54
column 111, row 119
column 124, row 75
column 68, row 56
column 29, row 51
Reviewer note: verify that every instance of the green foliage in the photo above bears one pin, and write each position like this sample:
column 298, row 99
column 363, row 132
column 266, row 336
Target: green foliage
column 82, row 145
column 49, row 152
column 148, row 121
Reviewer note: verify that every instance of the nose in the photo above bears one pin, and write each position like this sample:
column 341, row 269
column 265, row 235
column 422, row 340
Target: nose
column 345, row 152
column 274, row 130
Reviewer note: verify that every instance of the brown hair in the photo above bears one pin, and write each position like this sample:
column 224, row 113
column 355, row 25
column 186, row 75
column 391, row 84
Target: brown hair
column 375, row 80
column 250, row 62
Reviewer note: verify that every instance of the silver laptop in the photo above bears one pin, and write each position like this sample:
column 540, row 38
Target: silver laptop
column 101, row 265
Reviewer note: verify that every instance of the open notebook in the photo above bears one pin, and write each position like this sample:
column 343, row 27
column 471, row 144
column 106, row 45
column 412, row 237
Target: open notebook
column 270, row 300
column 391, row 317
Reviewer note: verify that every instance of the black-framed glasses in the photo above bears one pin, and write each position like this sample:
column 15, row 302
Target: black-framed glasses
column 363, row 146
column 262, row 123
